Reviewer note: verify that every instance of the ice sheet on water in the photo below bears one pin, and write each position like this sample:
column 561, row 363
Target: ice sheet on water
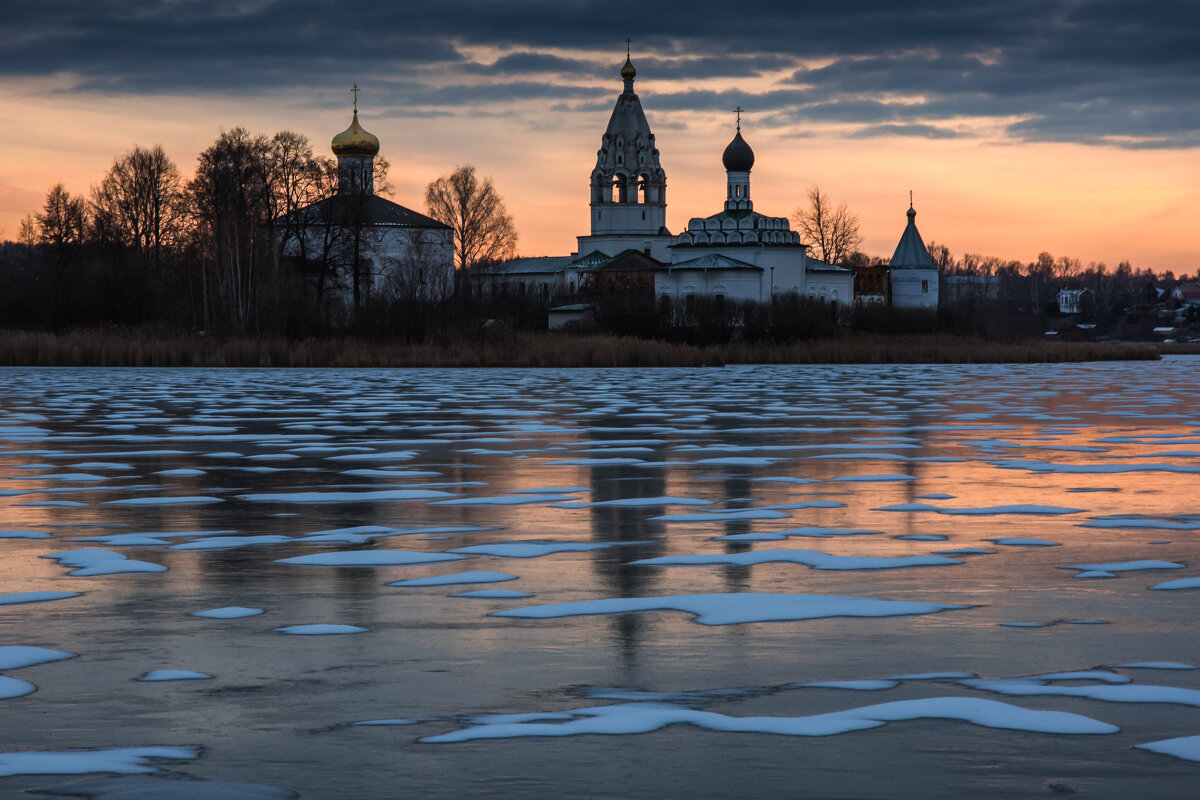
column 804, row 504
column 535, row 549
column 494, row 594
column 1124, row 566
column 858, row 686
column 347, row 497
column 1131, row 523
column 636, row 718
column 1090, row 469
column 935, row 496
column 783, row 479
column 123, row 761
column 48, row 503
column 457, row 578
column 814, row 532
column 14, row 687
column 723, row 515
column 1094, row 574
column 390, row 473
column 1108, row 692
column 738, row 461
column 506, row 500
column 640, row 502
column 230, row 542
column 174, row 675
column 1020, row 541
column 368, row 558
column 1179, row 583
column 983, row 511
column 321, row 629
column 922, row 537
column 397, row 721
column 1184, row 747
column 24, row 535
column 90, row 561
column 880, row 478
column 592, row 462
column 228, row 612
column 1151, row 665
column 811, row 558
column 732, row 608
column 17, row 656
column 18, row 598
column 164, row 501
column 966, row 551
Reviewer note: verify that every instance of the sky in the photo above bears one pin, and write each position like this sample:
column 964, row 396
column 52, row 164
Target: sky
column 1020, row 126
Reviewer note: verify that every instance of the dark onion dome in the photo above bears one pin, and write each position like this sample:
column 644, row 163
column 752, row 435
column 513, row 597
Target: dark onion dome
column 354, row 141
column 738, row 156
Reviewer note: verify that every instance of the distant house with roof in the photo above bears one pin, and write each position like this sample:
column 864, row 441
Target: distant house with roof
column 1187, row 293
column 1075, row 301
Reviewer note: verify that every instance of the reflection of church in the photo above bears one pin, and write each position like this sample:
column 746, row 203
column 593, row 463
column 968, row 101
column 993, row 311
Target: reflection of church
column 362, row 246
column 737, row 253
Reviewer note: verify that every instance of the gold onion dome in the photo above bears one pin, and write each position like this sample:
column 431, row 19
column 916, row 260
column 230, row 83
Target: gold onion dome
column 628, row 73
column 354, row 141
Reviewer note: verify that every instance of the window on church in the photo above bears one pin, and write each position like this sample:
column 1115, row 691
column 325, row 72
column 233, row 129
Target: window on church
column 925, row 286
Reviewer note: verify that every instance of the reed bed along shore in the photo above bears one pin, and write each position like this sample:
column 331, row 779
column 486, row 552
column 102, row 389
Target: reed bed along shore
column 136, row 348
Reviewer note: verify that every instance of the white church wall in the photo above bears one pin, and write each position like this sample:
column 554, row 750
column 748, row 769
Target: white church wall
column 914, row 288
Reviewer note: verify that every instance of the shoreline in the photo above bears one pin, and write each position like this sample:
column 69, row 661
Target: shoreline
column 142, row 348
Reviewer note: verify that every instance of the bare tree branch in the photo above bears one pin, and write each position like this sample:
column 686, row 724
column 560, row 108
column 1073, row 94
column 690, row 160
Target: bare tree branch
column 483, row 230
column 832, row 232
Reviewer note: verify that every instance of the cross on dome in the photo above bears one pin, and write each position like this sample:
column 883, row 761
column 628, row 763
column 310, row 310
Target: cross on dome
column 355, row 90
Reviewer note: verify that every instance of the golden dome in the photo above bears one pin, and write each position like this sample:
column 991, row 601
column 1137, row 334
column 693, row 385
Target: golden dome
column 354, row 141
column 628, row 72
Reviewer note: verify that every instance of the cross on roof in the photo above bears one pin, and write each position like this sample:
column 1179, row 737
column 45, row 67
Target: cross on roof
column 739, row 111
column 355, row 90
column 628, row 42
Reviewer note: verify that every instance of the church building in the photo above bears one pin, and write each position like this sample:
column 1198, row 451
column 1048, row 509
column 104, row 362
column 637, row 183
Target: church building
column 363, row 246
column 740, row 254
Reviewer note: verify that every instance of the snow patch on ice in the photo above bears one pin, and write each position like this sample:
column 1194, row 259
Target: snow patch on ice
column 732, row 608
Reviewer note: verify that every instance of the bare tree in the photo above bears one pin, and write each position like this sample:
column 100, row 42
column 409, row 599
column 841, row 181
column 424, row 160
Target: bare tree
column 832, row 231
column 140, row 202
column 229, row 198
column 483, row 230
column 62, row 221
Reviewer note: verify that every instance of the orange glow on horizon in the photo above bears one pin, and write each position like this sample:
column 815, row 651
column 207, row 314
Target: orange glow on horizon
column 978, row 193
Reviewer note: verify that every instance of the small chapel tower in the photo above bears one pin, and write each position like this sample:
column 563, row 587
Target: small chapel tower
column 355, row 149
column 628, row 185
column 911, row 272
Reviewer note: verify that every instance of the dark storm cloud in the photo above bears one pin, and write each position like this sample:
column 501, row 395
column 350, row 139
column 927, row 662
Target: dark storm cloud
column 1093, row 71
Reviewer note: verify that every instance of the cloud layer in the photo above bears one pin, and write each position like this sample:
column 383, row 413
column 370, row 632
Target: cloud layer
column 1104, row 72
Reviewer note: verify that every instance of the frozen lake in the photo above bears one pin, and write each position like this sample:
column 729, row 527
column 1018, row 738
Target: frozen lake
column 842, row 582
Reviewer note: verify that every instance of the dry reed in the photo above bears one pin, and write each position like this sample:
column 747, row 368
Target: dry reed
column 139, row 348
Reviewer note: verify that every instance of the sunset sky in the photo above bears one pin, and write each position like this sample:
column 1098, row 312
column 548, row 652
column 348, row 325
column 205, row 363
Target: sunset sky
column 1020, row 125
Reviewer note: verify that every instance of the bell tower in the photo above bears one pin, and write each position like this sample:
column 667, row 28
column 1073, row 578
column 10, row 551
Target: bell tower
column 628, row 185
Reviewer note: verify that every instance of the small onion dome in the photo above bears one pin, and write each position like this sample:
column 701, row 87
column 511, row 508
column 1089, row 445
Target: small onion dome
column 912, row 213
column 628, row 73
column 738, row 156
column 354, row 141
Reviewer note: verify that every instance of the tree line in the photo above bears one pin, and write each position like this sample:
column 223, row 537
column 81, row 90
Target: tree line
column 223, row 251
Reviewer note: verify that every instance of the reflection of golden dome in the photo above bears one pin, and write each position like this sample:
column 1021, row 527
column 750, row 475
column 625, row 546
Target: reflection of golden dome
column 628, row 72
column 354, row 141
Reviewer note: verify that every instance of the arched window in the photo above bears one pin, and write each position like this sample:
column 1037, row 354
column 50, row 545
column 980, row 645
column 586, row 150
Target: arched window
column 620, row 189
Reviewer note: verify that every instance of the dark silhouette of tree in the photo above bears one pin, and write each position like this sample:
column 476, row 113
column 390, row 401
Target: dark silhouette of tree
column 483, row 230
column 832, row 232
column 62, row 221
column 140, row 203
column 229, row 198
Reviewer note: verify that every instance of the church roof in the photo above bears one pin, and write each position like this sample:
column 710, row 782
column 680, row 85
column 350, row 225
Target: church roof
column 713, row 261
column 532, row 265
column 365, row 209
column 911, row 252
column 738, row 227
column 814, row 265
